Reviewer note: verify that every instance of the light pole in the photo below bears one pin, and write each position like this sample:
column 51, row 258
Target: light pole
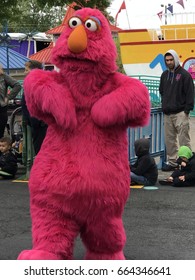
column 4, row 42
column 166, row 6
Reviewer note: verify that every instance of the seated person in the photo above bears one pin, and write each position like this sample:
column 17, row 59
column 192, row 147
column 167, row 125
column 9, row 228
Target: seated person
column 8, row 161
column 185, row 175
column 144, row 171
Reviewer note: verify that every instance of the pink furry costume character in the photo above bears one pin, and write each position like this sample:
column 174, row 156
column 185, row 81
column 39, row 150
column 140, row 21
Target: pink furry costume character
column 79, row 182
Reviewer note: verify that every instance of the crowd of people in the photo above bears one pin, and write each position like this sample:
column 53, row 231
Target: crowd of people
column 177, row 97
column 10, row 149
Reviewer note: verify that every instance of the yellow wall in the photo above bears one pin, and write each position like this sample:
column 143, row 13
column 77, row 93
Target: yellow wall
column 139, row 35
column 146, row 53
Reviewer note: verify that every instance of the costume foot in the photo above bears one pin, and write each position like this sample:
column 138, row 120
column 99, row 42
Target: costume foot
column 95, row 256
column 37, row 255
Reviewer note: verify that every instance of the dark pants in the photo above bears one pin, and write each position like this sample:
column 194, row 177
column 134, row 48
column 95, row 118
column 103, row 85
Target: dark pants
column 3, row 120
column 138, row 179
column 179, row 183
column 38, row 135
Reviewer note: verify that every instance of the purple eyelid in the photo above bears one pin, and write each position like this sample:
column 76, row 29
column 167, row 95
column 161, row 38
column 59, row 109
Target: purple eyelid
column 96, row 19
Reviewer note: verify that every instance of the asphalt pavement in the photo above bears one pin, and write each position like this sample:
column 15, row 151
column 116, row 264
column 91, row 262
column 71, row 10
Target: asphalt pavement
column 159, row 223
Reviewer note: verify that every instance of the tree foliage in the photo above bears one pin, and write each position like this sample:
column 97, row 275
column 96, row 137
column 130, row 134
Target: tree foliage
column 41, row 15
column 7, row 9
column 31, row 17
column 100, row 4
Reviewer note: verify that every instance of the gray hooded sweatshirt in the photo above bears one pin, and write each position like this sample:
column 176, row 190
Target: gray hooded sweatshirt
column 176, row 89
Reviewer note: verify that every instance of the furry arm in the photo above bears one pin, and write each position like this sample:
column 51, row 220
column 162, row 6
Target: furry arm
column 48, row 99
column 128, row 104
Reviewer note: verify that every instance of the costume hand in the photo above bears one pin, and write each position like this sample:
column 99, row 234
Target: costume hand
column 128, row 104
column 48, row 99
column 104, row 112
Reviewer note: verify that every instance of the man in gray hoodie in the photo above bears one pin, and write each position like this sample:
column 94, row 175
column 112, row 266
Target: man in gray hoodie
column 177, row 96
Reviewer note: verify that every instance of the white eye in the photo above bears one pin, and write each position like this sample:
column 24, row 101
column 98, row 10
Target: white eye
column 74, row 22
column 91, row 25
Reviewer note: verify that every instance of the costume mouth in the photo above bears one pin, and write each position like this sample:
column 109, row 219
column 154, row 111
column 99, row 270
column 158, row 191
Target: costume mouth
column 78, row 63
column 74, row 59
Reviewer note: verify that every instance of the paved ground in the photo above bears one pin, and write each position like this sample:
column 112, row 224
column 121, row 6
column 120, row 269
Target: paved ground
column 160, row 224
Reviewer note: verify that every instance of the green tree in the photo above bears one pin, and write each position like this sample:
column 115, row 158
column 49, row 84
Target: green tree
column 100, row 4
column 6, row 10
column 30, row 17
column 118, row 61
column 40, row 15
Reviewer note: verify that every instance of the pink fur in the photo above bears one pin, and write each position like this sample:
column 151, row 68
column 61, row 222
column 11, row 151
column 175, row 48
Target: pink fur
column 79, row 182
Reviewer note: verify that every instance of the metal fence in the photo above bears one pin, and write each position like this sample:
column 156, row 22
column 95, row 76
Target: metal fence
column 155, row 132
column 152, row 83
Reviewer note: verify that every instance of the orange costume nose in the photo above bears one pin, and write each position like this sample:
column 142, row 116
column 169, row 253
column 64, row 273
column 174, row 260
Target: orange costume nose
column 77, row 41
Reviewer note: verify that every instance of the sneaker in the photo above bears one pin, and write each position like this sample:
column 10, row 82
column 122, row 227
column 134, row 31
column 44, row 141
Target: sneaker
column 165, row 182
column 168, row 167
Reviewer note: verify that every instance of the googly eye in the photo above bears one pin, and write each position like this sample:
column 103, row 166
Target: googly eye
column 91, row 25
column 74, row 22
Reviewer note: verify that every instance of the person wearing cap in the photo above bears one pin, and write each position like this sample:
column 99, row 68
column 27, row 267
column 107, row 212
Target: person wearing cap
column 177, row 96
column 185, row 175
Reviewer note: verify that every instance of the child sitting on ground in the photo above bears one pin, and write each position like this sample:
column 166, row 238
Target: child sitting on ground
column 8, row 161
column 185, row 176
column 144, row 171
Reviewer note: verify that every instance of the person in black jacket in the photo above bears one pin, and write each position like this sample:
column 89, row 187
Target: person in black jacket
column 38, row 127
column 185, row 175
column 144, row 170
column 8, row 161
column 177, row 96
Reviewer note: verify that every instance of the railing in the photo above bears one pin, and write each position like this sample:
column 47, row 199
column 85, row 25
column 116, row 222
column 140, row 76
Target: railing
column 155, row 132
column 174, row 33
column 178, row 18
column 152, row 83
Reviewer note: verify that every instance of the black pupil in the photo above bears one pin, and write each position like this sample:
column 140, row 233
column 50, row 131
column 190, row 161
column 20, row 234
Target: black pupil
column 74, row 23
column 88, row 24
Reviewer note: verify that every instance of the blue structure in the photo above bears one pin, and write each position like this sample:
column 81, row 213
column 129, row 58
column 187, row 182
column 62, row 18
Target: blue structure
column 11, row 60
